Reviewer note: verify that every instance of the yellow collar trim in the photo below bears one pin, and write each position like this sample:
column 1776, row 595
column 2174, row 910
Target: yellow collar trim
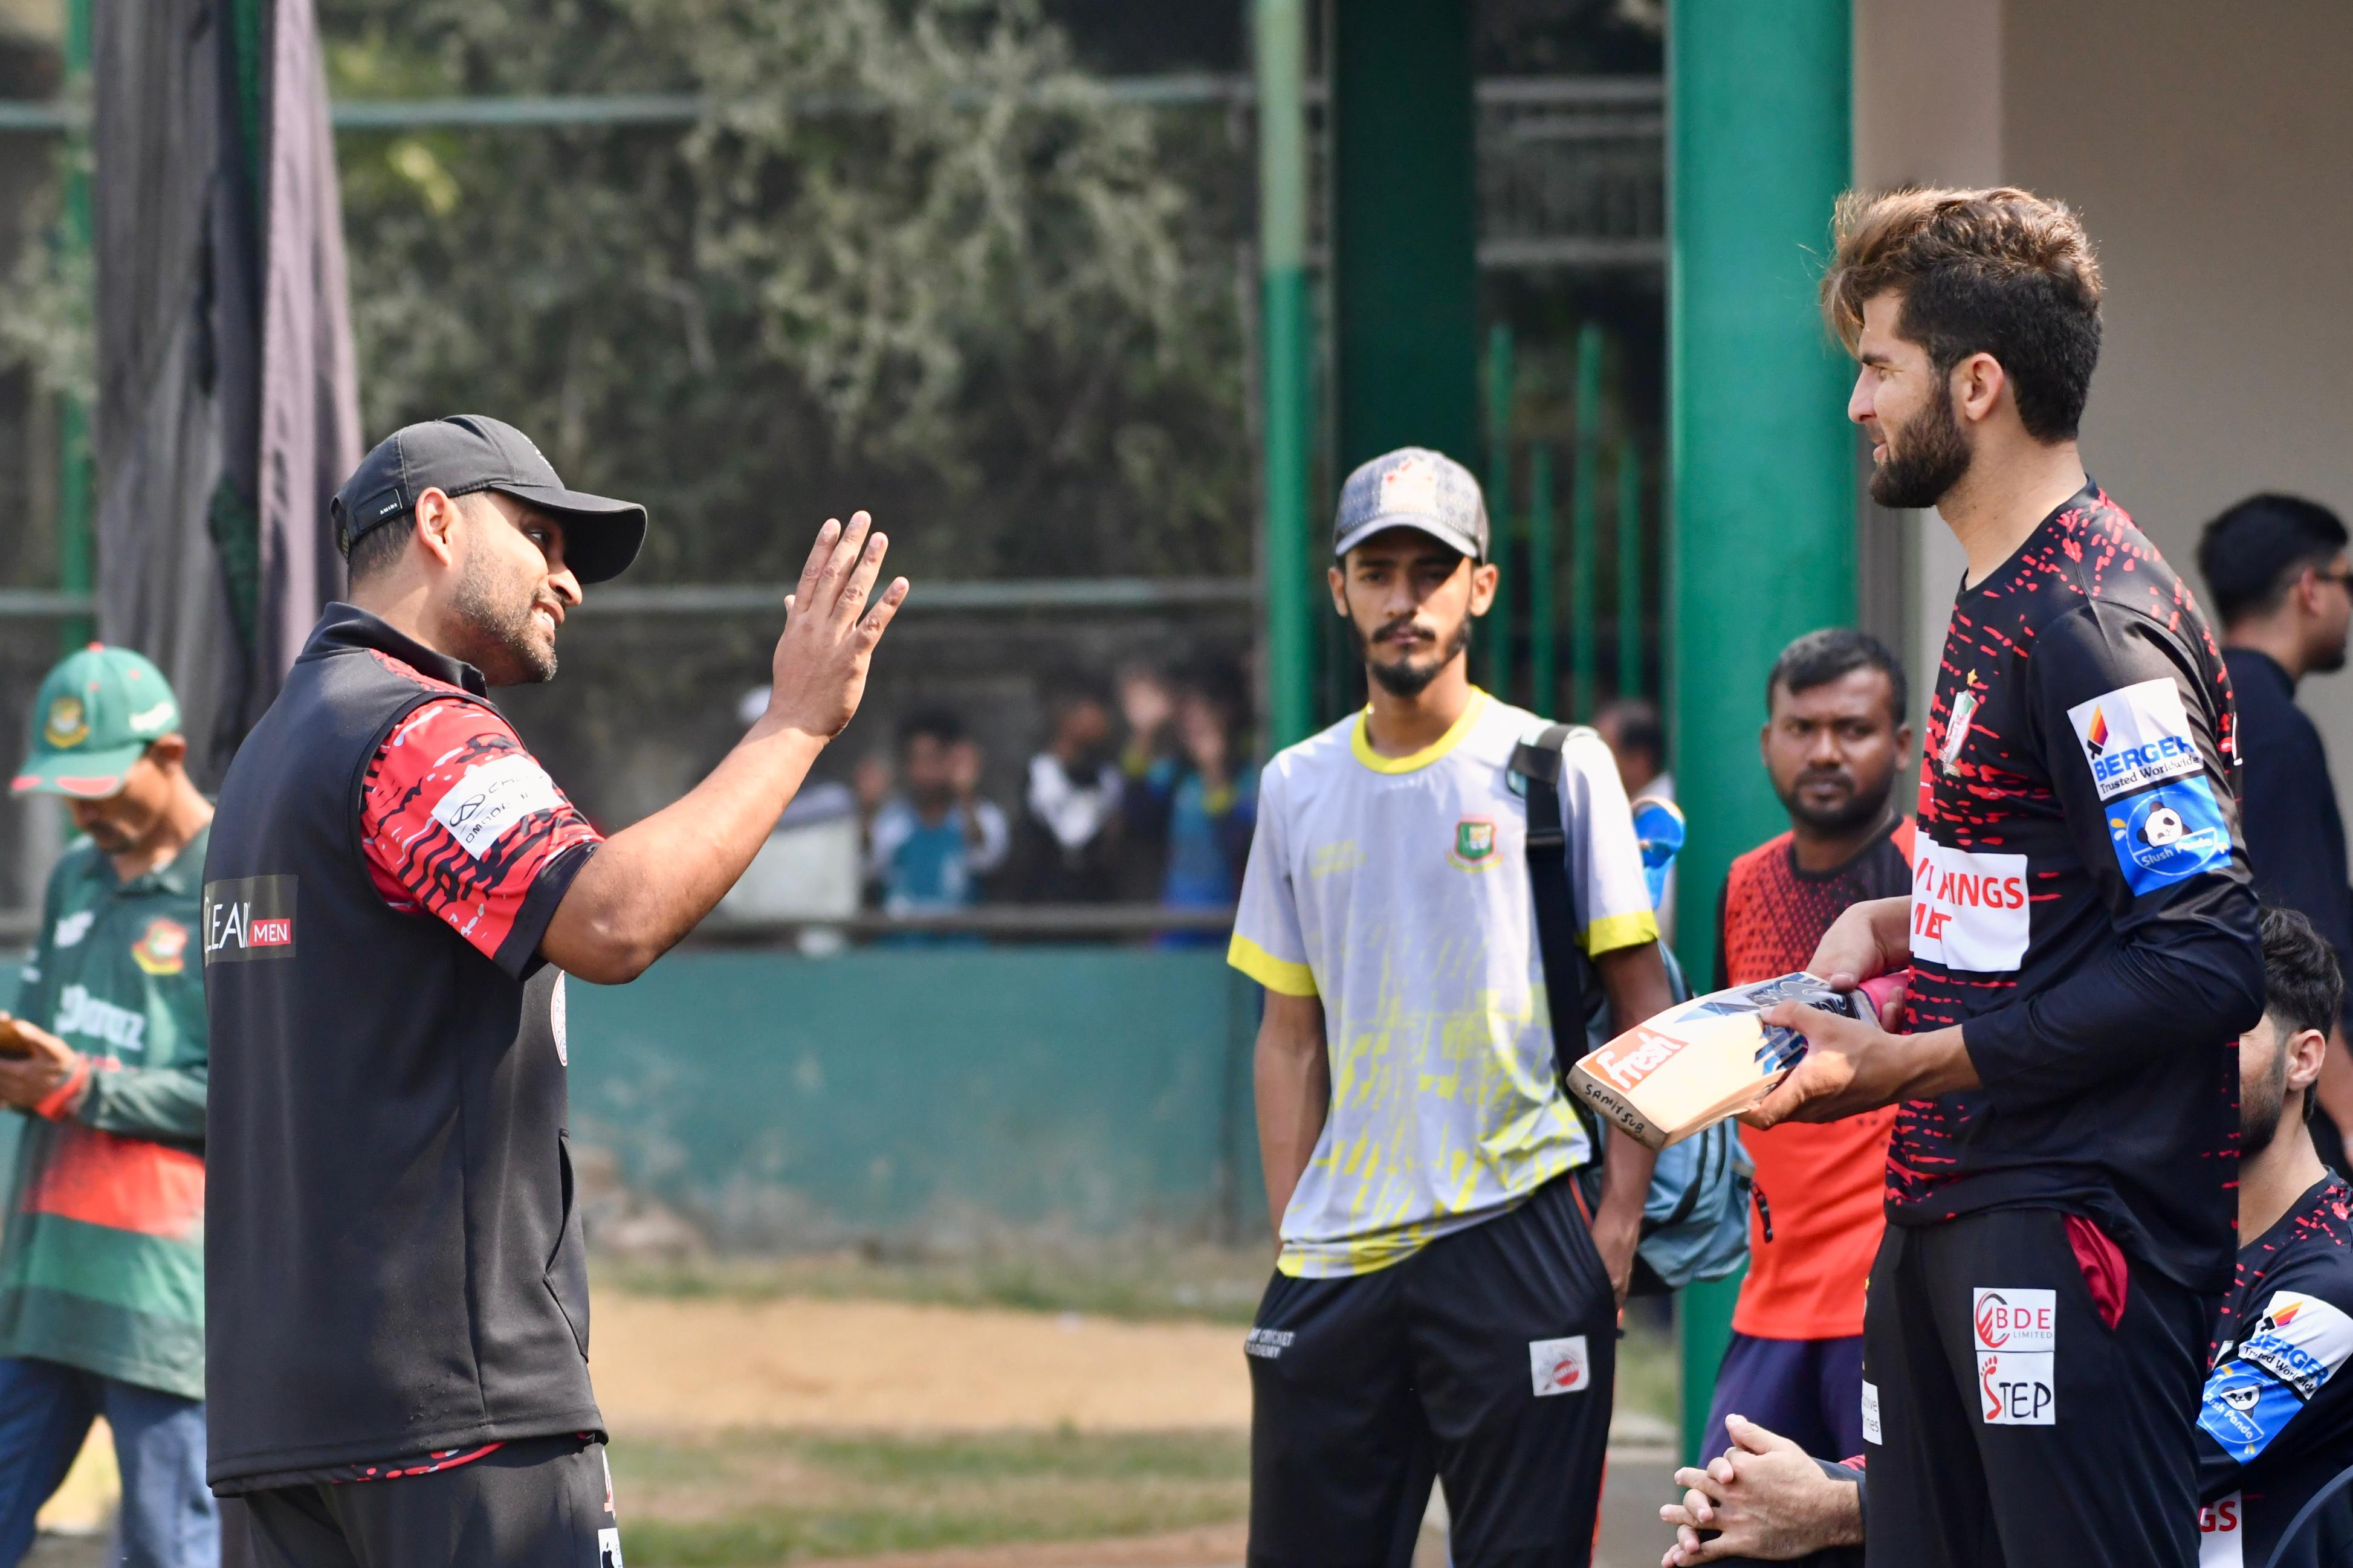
column 1360, row 741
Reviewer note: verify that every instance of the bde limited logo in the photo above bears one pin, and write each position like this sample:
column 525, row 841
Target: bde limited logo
column 2017, row 1336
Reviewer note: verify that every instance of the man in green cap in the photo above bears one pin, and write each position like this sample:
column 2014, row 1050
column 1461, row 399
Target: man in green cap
column 102, row 1263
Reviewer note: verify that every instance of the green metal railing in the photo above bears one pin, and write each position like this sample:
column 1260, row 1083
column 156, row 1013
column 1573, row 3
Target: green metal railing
column 1520, row 659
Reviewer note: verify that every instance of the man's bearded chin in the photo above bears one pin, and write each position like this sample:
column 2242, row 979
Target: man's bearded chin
column 1408, row 679
column 506, row 645
column 1932, row 458
column 2259, row 1118
column 1860, row 810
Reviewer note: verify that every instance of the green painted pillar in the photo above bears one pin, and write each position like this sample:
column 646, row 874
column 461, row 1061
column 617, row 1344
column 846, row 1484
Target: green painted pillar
column 1583, row 598
column 1292, row 586
column 1404, row 230
column 1761, row 475
column 1501, row 533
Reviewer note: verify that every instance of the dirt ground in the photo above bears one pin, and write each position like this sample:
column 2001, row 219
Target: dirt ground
column 682, row 1366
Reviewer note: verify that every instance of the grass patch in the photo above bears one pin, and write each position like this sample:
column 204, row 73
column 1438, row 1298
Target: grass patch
column 1649, row 1370
column 764, row 1498
column 1200, row 1283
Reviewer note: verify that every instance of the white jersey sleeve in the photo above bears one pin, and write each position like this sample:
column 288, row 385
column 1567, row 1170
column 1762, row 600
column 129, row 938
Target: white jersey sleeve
column 1268, row 945
column 1613, row 896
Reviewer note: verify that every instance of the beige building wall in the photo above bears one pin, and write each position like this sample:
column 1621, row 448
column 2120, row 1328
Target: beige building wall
column 2209, row 149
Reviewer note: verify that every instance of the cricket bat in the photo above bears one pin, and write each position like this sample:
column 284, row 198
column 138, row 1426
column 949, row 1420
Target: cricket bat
column 1710, row 1058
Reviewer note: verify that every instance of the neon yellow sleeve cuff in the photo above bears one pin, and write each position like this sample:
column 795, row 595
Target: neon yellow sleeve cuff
column 1277, row 975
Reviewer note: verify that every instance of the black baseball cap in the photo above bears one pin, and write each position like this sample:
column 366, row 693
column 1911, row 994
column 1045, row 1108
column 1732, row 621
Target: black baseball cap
column 469, row 452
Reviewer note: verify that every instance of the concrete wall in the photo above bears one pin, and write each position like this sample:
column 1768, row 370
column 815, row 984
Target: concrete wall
column 936, row 1093
column 2209, row 149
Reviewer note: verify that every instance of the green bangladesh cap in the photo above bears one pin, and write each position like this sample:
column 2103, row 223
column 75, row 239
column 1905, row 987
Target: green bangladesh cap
column 95, row 716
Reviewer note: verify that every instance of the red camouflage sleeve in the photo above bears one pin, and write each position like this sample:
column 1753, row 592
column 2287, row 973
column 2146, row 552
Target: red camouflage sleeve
column 459, row 821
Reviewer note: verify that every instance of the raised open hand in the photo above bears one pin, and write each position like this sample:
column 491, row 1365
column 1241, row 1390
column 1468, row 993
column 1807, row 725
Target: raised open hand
column 830, row 629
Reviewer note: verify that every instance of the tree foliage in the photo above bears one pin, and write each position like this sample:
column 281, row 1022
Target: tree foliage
column 908, row 258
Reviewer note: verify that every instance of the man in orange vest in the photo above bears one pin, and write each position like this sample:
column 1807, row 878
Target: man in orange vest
column 1834, row 739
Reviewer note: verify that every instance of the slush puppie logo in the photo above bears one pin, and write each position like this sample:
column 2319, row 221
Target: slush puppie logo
column 67, row 724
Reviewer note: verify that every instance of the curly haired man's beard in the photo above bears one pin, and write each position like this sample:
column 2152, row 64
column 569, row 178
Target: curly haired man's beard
column 1931, row 460
column 1409, row 680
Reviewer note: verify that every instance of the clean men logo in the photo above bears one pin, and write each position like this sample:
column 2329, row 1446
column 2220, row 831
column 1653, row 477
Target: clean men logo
column 249, row 918
column 2170, row 835
column 1474, row 842
column 2136, row 736
column 68, row 724
column 1559, row 1366
column 2017, row 1335
column 1969, row 911
column 485, row 802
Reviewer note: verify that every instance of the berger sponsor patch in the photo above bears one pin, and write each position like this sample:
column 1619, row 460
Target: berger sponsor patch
column 2136, row 736
column 481, row 806
column 2297, row 1345
column 249, row 918
column 1969, row 911
column 2016, row 1337
column 1559, row 1366
column 2168, row 835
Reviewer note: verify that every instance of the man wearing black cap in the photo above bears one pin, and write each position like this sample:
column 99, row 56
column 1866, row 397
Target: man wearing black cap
column 397, row 1309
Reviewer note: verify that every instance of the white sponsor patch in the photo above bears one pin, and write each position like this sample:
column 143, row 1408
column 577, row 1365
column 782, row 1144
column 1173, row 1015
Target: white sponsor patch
column 2136, row 736
column 72, row 929
column 1956, row 729
column 2016, row 1335
column 1559, row 1366
column 609, row 1547
column 1267, row 1344
column 562, row 1057
column 148, row 720
column 2221, row 1533
column 491, row 798
column 1969, row 911
column 1871, row 1414
column 2301, row 1340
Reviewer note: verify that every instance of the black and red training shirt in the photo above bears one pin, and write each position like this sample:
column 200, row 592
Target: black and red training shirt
column 2080, row 903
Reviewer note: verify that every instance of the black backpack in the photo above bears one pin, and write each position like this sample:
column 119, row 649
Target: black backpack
column 1695, row 1217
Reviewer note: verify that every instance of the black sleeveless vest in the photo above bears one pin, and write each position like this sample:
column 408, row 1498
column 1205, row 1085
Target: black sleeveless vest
column 393, row 1260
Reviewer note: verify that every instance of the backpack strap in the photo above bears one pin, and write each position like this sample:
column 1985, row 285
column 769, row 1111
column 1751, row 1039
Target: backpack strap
column 1539, row 762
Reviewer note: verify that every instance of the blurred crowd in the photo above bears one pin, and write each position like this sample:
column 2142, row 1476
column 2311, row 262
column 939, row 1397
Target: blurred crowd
column 1142, row 791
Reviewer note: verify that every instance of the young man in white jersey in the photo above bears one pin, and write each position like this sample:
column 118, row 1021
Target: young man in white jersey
column 1443, row 1303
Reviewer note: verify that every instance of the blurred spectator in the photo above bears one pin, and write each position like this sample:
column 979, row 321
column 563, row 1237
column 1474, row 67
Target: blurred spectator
column 2282, row 591
column 1637, row 737
column 1631, row 729
column 1192, row 796
column 1066, row 848
column 928, row 845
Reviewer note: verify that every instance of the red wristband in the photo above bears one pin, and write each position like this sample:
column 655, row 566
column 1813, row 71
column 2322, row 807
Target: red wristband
column 60, row 1099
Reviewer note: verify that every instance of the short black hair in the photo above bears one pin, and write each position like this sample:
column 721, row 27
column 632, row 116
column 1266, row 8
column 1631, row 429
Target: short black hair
column 939, row 724
column 2303, row 988
column 1640, row 728
column 376, row 550
column 1822, row 657
column 2253, row 552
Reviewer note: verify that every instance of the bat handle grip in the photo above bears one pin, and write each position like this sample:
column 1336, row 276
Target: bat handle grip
column 1879, row 988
